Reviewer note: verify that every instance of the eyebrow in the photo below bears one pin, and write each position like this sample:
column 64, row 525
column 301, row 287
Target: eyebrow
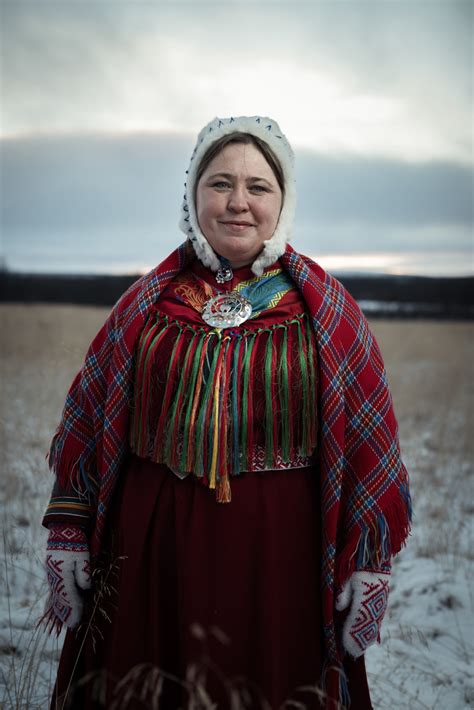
column 229, row 176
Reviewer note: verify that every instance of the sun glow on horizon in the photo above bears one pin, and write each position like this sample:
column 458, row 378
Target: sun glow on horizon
column 439, row 263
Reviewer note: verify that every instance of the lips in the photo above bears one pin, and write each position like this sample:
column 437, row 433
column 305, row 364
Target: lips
column 237, row 223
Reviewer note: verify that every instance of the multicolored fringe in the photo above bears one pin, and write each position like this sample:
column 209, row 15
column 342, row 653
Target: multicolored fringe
column 374, row 545
column 211, row 401
column 73, row 498
column 78, row 472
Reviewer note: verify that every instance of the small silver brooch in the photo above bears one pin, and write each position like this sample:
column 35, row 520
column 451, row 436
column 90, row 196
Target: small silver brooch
column 224, row 274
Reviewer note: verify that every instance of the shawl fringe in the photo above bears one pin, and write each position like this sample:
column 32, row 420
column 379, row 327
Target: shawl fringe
column 378, row 541
column 74, row 472
column 335, row 687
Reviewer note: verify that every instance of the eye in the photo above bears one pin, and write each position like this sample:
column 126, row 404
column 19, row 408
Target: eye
column 259, row 188
column 221, row 184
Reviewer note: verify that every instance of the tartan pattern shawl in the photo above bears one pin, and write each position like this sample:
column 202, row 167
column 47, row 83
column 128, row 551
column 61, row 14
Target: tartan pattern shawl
column 366, row 509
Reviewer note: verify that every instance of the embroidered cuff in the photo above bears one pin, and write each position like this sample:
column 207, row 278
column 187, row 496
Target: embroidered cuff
column 67, row 510
column 67, row 537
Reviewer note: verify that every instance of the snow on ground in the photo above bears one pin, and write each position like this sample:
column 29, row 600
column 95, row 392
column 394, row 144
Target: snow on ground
column 425, row 659
column 426, row 654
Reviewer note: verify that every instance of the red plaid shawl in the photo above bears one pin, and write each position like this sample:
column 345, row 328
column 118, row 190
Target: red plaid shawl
column 364, row 486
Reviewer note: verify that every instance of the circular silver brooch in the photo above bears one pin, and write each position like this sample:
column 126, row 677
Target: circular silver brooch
column 226, row 310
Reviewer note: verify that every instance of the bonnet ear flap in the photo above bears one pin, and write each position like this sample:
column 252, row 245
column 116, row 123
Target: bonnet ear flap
column 204, row 252
column 276, row 246
column 267, row 130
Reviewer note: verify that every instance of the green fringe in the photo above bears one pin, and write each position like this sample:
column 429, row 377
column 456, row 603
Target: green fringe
column 269, row 405
column 143, row 363
column 284, row 399
column 304, row 390
column 164, row 415
column 234, row 398
column 249, row 343
column 189, row 403
column 175, row 414
column 205, row 412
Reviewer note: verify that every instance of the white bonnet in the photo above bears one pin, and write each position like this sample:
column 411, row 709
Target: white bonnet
column 269, row 131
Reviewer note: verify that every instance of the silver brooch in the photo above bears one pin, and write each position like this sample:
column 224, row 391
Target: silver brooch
column 223, row 274
column 226, row 310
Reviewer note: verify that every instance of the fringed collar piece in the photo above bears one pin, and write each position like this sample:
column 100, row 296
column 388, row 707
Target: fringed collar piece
column 218, row 402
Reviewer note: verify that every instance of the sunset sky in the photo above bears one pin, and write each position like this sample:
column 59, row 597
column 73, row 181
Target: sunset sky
column 101, row 102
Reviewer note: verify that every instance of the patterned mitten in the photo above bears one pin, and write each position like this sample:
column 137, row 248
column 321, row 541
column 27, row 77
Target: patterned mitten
column 367, row 593
column 68, row 571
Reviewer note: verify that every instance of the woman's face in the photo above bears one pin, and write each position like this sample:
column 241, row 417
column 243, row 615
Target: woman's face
column 238, row 203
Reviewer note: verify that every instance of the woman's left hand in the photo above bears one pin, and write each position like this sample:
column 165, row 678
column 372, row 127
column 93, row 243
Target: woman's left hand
column 367, row 593
column 68, row 573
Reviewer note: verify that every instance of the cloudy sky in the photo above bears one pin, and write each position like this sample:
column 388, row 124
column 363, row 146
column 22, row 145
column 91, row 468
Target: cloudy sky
column 101, row 102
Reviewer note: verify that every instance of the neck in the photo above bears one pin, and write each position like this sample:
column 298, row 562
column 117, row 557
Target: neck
column 238, row 264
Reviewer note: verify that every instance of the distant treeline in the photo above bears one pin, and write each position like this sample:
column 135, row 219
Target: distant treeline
column 384, row 296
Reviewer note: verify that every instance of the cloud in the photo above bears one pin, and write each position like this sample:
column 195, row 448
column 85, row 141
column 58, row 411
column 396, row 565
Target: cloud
column 376, row 79
column 92, row 182
column 82, row 184
column 385, row 191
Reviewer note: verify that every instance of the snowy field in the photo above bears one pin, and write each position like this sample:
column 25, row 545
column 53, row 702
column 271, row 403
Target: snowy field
column 425, row 659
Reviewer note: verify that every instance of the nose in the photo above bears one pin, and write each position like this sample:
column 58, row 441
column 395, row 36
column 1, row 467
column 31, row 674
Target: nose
column 238, row 199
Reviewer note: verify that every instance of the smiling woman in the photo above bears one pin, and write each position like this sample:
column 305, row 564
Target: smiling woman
column 230, row 445
column 238, row 203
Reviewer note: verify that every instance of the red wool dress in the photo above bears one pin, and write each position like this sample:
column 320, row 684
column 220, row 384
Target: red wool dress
column 195, row 595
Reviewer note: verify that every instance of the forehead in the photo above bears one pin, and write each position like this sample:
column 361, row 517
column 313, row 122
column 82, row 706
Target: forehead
column 240, row 159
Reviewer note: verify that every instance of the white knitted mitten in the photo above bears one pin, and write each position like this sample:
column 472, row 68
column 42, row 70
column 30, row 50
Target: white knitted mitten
column 367, row 593
column 68, row 571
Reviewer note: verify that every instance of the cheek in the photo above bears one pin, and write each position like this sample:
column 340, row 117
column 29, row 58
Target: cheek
column 207, row 207
column 272, row 213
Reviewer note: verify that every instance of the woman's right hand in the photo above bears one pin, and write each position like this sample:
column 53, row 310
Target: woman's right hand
column 68, row 572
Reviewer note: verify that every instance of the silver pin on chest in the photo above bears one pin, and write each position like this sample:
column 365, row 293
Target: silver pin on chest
column 224, row 274
column 226, row 310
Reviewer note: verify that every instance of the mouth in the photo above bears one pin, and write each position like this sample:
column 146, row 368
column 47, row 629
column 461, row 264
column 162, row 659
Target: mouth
column 237, row 225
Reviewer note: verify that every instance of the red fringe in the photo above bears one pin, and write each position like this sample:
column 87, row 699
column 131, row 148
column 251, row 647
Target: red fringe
column 145, row 378
column 274, row 400
column 239, row 387
column 180, row 409
column 291, row 426
column 250, row 410
column 194, row 408
column 211, row 411
column 159, row 436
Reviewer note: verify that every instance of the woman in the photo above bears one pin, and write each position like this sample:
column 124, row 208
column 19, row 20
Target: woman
column 228, row 461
